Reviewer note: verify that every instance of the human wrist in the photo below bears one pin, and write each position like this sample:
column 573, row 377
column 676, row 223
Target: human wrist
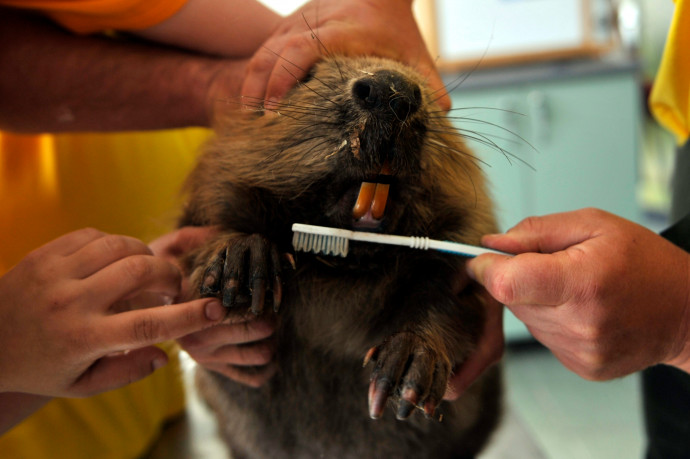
column 681, row 359
column 222, row 88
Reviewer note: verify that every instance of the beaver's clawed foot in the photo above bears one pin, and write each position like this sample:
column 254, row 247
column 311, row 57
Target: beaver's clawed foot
column 409, row 370
column 243, row 271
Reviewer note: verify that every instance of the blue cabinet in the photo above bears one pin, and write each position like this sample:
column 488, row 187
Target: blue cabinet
column 554, row 138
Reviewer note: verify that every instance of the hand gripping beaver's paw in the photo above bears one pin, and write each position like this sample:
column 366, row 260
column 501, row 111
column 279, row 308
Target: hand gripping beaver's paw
column 242, row 272
column 410, row 370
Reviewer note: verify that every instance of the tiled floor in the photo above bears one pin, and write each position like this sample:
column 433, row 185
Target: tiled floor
column 551, row 414
column 570, row 418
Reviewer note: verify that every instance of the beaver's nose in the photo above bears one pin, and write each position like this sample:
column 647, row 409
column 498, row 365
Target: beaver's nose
column 388, row 89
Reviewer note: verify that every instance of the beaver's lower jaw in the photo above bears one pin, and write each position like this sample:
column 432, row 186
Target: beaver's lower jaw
column 368, row 223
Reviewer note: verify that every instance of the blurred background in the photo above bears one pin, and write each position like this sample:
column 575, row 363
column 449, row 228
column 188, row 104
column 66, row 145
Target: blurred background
column 554, row 94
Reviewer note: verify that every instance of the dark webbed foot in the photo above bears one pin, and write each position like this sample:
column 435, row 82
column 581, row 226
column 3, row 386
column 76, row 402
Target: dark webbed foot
column 410, row 370
column 242, row 272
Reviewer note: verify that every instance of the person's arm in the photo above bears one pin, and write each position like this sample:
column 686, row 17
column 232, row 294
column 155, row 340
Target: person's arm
column 233, row 29
column 607, row 296
column 54, row 81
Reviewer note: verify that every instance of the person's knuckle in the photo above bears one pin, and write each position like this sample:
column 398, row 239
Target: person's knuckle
column 503, row 287
column 191, row 343
column 36, row 263
column 138, row 267
column 62, row 297
column 262, row 62
column 531, row 224
column 593, row 214
column 91, row 233
column 115, row 245
column 148, row 330
column 590, row 333
column 304, row 42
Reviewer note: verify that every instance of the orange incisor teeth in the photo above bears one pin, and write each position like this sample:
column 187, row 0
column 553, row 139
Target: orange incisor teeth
column 366, row 195
column 378, row 207
column 372, row 196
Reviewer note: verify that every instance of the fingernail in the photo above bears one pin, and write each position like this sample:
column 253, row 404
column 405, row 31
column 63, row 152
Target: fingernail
column 214, row 311
column 158, row 362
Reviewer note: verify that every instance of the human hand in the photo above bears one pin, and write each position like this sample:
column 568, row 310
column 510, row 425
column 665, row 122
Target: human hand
column 65, row 332
column 384, row 28
column 240, row 347
column 607, row 296
column 489, row 351
column 174, row 245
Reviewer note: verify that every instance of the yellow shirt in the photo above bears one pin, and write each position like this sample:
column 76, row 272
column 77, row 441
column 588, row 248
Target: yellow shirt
column 87, row 16
column 124, row 183
column 670, row 98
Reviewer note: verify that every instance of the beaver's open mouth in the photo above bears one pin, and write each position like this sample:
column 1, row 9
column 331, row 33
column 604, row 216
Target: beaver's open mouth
column 372, row 199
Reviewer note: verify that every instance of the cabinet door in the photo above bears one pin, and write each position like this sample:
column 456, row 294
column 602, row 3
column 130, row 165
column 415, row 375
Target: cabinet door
column 560, row 144
column 555, row 146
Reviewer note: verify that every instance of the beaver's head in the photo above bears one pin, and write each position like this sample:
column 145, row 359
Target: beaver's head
column 360, row 144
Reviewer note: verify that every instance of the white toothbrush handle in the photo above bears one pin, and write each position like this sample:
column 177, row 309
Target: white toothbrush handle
column 422, row 243
column 461, row 249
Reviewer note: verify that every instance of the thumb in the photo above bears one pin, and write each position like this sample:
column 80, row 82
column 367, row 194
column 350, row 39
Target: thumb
column 548, row 233
column 118, row 370
column 528, row 278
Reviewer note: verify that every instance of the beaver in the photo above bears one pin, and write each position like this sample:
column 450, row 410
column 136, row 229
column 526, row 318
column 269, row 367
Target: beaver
column 359, row 144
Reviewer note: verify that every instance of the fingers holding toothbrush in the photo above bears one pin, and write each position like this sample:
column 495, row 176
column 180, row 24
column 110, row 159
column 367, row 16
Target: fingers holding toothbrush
column 608, row 297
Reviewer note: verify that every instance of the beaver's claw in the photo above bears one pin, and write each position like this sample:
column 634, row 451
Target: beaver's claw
column 409, row 370
column 242, row 272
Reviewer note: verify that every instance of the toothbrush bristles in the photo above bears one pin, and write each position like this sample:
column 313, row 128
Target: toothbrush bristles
column 318, row 243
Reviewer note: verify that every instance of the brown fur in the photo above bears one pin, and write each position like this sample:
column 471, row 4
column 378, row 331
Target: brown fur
column 263, row 173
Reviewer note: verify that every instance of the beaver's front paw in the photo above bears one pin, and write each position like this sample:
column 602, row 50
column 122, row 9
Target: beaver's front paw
column 242, row 272
column 410, row 370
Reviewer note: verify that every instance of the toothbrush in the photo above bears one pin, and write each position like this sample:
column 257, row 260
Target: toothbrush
column 333, row 241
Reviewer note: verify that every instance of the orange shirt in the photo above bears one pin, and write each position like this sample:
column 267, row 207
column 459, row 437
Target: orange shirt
column 87, row 16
